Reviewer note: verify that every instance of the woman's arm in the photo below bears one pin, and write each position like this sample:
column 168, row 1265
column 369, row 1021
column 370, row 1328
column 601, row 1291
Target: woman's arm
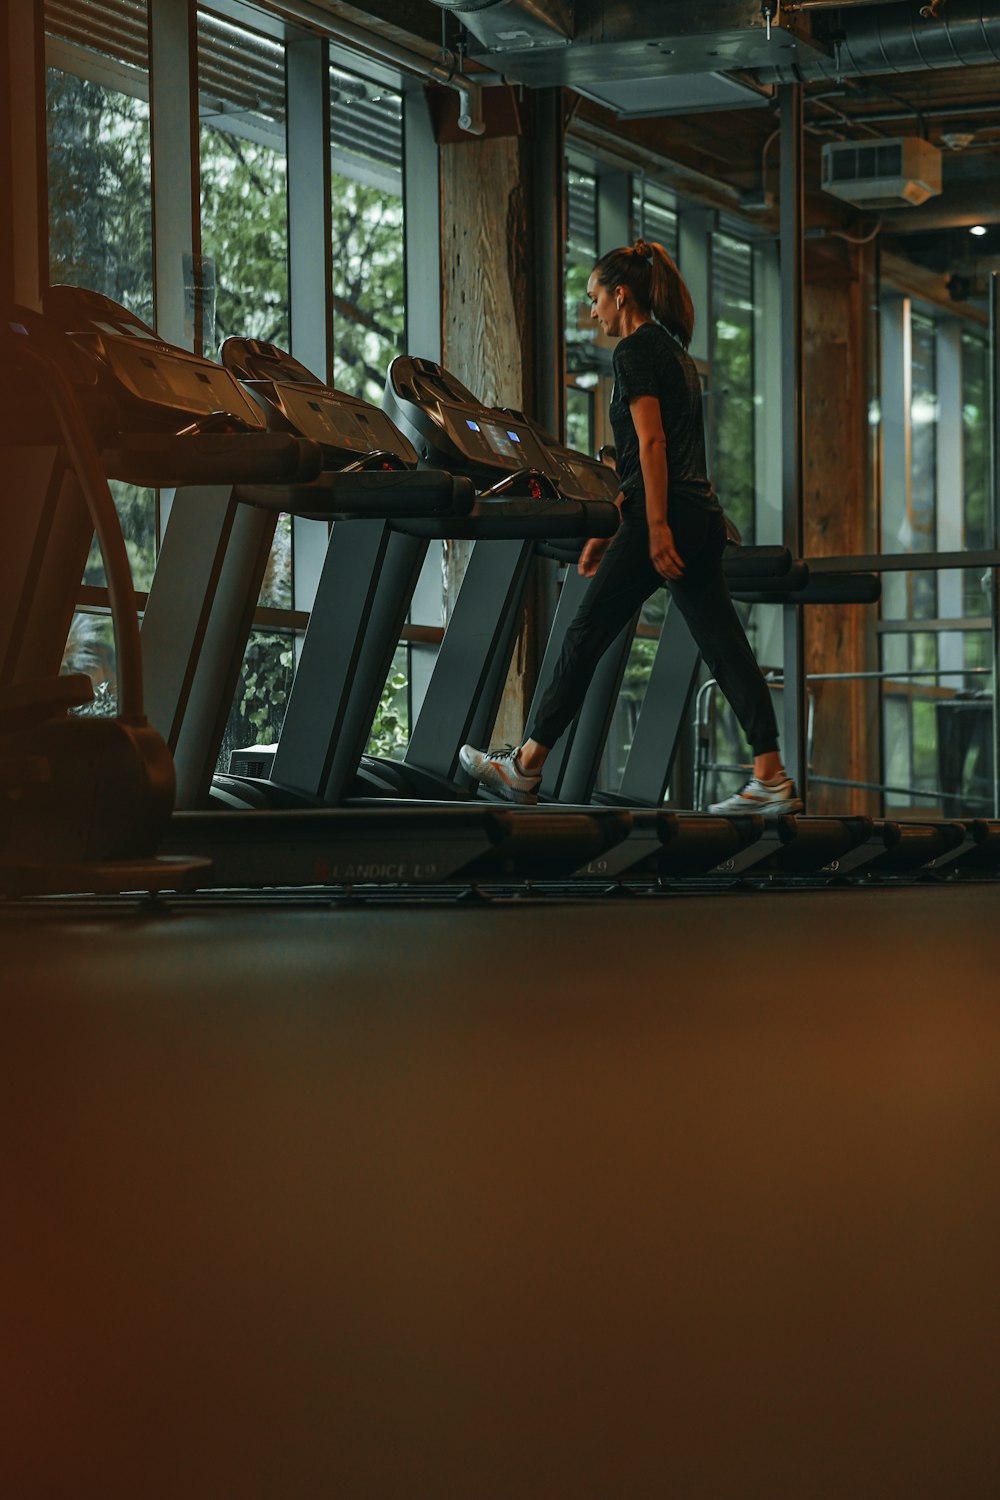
column 648, row 424
column 594, row 549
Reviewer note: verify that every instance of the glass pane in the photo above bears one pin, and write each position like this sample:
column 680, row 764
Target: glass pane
column 937, row 727
column 580, row 418
column 90, row 650
column 368, row 264
column 244, row 206
column 391, row 728
column 731, row 403
column 923, row 436
column 975, row 450
column 276, row 589
column 912, row 740
column 100, row 195
column 258, row 709
column 654, row 217
column 583, row 359
column 137, row 512
column 910, row 596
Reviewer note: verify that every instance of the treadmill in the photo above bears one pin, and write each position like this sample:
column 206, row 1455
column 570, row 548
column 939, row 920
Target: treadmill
column 238, row 455
column 211, row 564
column 525, row 497
column 448, row 425
column 89, row 797
column 94, row 797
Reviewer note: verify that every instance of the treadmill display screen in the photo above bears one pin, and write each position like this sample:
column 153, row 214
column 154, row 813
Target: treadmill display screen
column 591, row 482
column 516, row 450
column 503, row 441
column 130, row 330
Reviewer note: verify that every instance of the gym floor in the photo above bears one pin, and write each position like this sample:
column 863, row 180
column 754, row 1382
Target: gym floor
column 678, row 1196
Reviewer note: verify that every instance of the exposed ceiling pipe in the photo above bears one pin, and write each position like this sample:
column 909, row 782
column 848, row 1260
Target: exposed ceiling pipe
column 881, row 40
column 794, row 5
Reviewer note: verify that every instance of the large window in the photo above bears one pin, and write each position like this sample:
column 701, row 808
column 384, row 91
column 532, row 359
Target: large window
column 732, row 382
column 101, row 237
column 244, row 200
column 369, row 313
column 934, row 633
column 244, row 276
column 100, row 197
column 654, row 216
column 583, row 358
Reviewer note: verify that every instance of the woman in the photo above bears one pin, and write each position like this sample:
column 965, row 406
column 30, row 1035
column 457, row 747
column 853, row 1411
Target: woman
column 672, row 531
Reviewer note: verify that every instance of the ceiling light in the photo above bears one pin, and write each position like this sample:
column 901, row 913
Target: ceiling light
column 979, row 229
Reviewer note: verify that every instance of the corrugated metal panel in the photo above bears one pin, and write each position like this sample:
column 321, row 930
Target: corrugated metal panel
column 655, row 221
column 240, row 69
column 366, row 119
column 582, row 215
column 116, row 28
column 732, row 271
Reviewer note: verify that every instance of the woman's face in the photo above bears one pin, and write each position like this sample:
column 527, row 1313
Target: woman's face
column 603, row 308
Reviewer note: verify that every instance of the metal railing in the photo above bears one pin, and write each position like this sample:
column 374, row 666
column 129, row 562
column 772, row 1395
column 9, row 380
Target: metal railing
column 704, row 766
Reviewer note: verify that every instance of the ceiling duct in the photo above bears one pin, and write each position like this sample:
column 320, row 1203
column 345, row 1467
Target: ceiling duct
column 631, row 54
column 637, row 57
column 886, row 39
column 510, row 25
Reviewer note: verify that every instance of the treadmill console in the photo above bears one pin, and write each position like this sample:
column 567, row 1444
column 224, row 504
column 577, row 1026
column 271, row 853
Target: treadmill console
column 168, row 384
column 295, row 400
column 449, row 426
column 578, row 476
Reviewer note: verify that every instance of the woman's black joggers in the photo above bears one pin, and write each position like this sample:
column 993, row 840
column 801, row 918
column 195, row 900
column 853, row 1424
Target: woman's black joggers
column 623, row 582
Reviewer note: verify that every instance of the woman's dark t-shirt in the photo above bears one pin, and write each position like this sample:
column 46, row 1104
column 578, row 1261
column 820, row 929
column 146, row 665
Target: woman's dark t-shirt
column 650, row 362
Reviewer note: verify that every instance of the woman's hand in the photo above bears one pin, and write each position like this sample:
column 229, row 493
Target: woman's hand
column 664, row 555
column 590, row 555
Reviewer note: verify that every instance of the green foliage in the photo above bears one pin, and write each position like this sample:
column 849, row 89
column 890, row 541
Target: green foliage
column 390, row 730
column 100, row 199
column 733, row 423
column 244, row 214
column 276, row 589
column 640, row 664
column 137, row 513
column 101, row 237
column 369, row 287
column 266, row 682
column 579, row 329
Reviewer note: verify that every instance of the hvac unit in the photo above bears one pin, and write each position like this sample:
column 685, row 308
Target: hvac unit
column 882, row 174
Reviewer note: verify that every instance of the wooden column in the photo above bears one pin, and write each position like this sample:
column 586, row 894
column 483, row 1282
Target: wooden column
column 23, row 176
column 490, row 306
column 839, row 519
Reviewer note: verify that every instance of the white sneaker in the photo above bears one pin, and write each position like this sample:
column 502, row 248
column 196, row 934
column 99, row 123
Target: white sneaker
column 499, row 771
column 767, row 799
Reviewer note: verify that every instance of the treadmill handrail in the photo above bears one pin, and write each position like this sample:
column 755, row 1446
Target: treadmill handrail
column 537, row 485
column 85, row 459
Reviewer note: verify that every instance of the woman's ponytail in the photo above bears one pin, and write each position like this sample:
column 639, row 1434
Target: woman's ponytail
column 669, row 299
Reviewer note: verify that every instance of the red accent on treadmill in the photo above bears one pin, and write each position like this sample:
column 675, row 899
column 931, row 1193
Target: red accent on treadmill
column 534, row 489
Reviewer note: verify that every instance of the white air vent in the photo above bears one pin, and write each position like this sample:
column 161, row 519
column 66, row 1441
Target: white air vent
column 882, row 174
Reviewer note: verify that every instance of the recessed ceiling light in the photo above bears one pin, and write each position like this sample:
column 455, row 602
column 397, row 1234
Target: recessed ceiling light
column 979, row 229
